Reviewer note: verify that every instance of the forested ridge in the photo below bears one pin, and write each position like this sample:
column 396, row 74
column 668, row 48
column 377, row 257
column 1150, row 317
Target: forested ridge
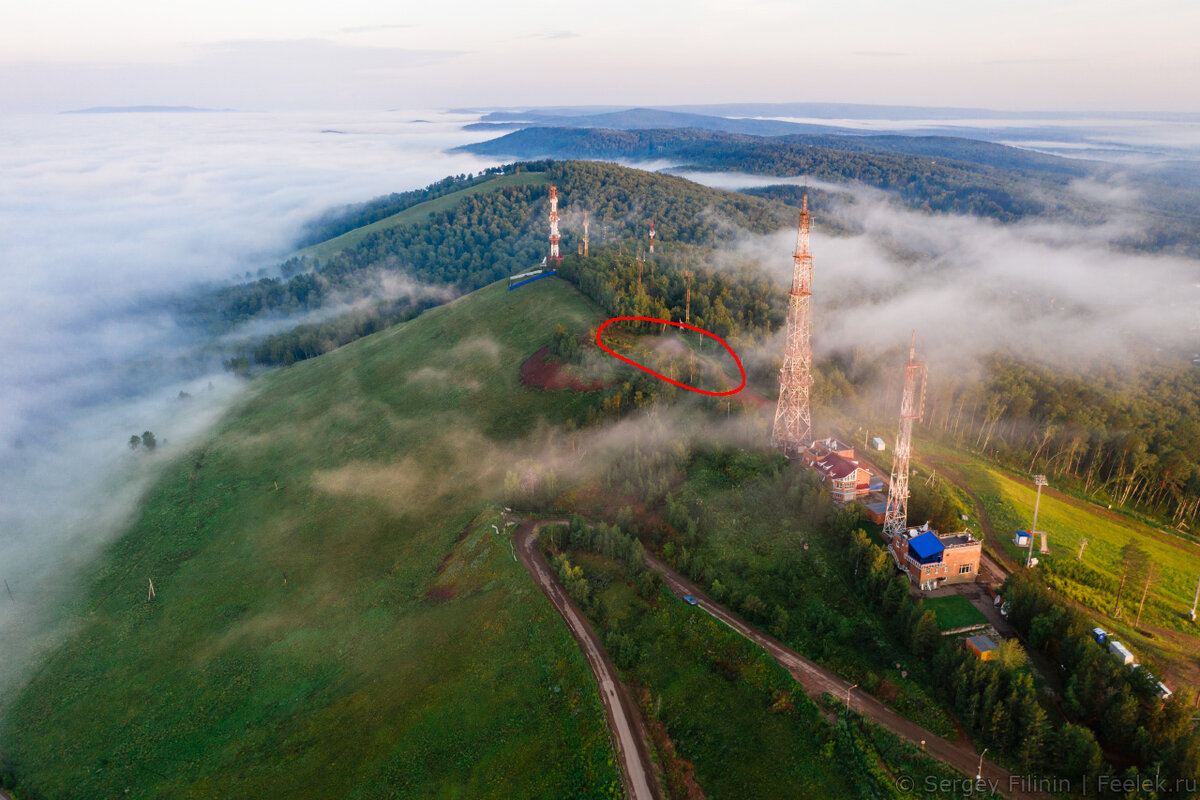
column 929, row 173
column 1132, row 440
column 483, row 238
column 922, row 181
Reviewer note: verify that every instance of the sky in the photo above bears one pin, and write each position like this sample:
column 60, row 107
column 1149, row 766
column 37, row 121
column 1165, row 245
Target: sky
column 1133, row 55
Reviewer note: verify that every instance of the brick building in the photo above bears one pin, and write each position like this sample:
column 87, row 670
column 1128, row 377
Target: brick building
column 834, row 461
column 931, row 559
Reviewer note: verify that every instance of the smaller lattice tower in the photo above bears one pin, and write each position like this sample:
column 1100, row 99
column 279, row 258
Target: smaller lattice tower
column 554, row 256
column 912, row 408
column 650, row 236
column 585, row 233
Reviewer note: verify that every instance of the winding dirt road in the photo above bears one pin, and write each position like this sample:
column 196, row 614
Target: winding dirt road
column 624, row 718
column 629, row 735
column 816, row 679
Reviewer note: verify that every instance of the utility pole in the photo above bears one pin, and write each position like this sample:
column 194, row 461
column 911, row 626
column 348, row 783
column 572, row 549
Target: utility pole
column 10, row 597
column 1195, row 600
column 1039, row 481
column 150, row 594
column 585, row 234
column 793, row 416
column 1083, row 544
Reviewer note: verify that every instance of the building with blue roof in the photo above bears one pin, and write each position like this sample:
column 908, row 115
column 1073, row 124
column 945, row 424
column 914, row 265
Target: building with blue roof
column 931, row 559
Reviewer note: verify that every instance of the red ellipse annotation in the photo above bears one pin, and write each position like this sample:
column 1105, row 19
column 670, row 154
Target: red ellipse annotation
column 611, row 352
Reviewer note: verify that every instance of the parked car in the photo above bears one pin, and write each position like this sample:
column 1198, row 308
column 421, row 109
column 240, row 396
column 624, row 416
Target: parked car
column 691, row 601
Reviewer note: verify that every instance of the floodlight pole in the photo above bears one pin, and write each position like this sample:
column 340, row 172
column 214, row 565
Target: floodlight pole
column 979, row 769
column 1039, row 481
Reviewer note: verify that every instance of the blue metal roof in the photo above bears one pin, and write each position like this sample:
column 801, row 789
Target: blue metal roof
column 926, row 547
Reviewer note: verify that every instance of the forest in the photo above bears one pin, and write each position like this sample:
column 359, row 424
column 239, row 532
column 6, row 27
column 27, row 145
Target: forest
column 927, row 173
column 1128, row 435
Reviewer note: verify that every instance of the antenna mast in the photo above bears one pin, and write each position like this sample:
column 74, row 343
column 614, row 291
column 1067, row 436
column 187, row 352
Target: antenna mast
column 793, row 417
column 912, row 408
column 554, row 256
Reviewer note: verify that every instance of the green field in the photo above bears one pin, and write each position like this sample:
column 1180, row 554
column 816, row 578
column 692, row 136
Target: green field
column 418, row 213
column 954, row 611
column 360, row 632
column 1165, row 639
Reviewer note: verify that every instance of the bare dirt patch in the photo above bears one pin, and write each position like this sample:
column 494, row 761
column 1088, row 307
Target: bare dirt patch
column 541, row 372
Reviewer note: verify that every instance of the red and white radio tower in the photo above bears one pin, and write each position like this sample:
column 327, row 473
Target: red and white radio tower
column 554, row 256
column 651, row 237
column 793, row 419
column 912, row 408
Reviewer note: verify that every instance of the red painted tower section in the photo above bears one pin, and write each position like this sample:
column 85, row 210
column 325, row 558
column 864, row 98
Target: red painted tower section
column 793, row 417
column 554, row 255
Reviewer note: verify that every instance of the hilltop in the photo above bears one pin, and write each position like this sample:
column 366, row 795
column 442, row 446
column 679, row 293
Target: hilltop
column 361, row 630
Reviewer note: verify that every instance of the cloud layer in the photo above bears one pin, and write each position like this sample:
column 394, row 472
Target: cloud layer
column 102, row 217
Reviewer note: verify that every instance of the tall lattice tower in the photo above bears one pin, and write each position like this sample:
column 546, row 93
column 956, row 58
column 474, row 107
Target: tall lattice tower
column 554, row 256
column 912, row 408
column 793, row 418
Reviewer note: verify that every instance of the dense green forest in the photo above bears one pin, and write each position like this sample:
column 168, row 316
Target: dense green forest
column 337, row 221
column 1128, row 436
column 485, row 237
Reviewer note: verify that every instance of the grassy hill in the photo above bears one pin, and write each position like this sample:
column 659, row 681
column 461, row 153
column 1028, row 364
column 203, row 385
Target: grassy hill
column 358, row 632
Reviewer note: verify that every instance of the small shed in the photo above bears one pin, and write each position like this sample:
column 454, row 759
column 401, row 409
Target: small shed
column 1120, row 651
column 1021, row 539
column 877, row 443
column 877, row 512
column 982, row 646
column 1100, row 635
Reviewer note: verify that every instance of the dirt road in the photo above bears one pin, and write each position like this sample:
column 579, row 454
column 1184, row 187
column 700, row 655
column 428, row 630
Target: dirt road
column 628, row 731
column 816, row 679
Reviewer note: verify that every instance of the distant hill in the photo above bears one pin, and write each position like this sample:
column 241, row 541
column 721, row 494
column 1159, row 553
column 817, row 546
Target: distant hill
column 146, row 110
column 934, row 173
column 643, row 118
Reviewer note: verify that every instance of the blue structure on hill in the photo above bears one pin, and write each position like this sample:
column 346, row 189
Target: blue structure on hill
column 926, row 548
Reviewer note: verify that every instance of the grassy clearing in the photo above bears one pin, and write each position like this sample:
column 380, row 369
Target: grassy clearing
column 360, row 632
column 954, row 611
column 1009, row 502
column 418, row 213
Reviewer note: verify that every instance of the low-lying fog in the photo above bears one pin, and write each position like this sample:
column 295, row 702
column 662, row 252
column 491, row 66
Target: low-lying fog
column 971, row 286
column 101, row 217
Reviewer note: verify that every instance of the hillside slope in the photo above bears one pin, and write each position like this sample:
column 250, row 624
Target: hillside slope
column 359, row 631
